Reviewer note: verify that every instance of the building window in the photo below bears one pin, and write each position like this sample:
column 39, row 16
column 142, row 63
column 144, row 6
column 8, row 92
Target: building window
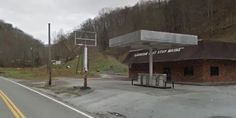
column 188, row 71
column 214, row 71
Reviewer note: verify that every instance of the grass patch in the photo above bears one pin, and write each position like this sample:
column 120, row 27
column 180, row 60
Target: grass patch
column 98, row 63
column 23, row 73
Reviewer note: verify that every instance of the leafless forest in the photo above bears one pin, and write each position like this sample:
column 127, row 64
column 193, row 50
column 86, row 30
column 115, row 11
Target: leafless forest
column 205, row 18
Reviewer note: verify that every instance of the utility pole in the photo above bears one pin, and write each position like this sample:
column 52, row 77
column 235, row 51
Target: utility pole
column 32, row 58
column 49, row 57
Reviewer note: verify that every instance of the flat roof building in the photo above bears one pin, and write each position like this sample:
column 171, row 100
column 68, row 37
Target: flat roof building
column 146, row 39
column 209, row 62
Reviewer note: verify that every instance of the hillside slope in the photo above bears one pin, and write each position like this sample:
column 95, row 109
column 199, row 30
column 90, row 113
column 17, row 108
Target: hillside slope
column 227, row 35
column 98, row 63
column 18, row 49
column 209, row 19
column 205, row 18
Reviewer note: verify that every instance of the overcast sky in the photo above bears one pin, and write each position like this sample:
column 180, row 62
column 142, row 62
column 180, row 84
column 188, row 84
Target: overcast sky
column 32, row 16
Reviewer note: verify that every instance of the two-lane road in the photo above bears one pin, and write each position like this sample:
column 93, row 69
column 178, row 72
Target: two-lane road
column 33, row 104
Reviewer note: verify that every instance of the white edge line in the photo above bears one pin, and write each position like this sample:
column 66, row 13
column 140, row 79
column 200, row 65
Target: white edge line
column 59, row 102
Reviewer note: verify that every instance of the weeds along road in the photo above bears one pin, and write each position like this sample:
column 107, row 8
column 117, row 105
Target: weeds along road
column 19, row 101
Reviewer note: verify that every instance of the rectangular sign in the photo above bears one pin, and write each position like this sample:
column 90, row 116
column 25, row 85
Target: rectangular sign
column 172, row 50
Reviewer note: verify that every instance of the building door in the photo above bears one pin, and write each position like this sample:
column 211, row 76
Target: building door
column 167, row 71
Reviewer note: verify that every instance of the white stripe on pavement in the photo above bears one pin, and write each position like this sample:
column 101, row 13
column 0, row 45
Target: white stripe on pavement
column 59, row 102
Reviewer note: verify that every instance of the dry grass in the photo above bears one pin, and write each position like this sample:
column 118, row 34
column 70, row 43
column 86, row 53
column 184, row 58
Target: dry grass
column 98, row 63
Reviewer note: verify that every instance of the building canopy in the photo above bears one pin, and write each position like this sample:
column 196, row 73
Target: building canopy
column 159, row 40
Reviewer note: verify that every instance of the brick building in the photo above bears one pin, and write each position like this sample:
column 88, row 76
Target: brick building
column 209, row 62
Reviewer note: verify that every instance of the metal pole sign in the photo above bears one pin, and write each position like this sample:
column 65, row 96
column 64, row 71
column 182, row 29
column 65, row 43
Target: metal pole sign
column 85, row 58
column 85, row 39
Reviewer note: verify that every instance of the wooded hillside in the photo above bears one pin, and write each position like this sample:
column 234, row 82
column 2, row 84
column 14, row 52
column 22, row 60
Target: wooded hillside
column 18, row 49
column 200, row 17
column 209, row 19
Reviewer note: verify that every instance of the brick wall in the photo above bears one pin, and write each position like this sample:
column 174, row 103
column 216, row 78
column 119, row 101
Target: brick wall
column 177, row 70
column 227, row 70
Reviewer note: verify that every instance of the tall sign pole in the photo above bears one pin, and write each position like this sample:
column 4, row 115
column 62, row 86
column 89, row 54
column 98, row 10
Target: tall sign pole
column 49, row 57
column 85, row 39
column 85, row 65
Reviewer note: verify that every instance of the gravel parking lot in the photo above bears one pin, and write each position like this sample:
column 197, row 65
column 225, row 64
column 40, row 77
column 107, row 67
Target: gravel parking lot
column 112, row 98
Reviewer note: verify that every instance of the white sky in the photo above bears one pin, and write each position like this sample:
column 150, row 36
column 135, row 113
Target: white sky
column 32, row 16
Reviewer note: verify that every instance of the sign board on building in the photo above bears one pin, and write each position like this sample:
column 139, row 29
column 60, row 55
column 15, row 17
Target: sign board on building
column 164, row 51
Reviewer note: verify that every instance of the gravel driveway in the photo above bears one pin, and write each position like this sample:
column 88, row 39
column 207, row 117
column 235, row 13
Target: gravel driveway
column 111, row 98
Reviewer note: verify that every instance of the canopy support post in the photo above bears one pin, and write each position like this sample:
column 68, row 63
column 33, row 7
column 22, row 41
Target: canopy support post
column 150, row 63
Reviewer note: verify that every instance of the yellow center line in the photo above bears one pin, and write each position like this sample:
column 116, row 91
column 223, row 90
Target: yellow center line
column 15, row 111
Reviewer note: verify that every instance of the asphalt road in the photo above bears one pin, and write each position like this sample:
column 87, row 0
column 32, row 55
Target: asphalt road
column 33, row 105
column 4, row 111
